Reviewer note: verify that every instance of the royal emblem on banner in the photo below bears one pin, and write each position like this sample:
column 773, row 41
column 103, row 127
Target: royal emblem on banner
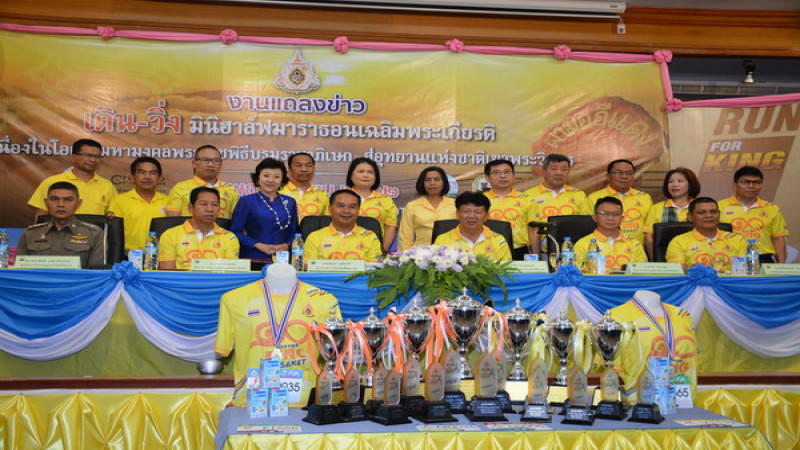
column 297, row 75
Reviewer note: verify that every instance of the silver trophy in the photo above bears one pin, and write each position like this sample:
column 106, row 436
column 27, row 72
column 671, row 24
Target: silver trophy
column 607, row 337
column 519, row 327
column 417, row 327
column 331, row 349
column 375, row 331
column 466, row 317
column 560, row 336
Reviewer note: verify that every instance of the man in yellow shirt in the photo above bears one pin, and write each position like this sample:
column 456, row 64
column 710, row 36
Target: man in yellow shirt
column 553, row 197
column 706, row 244
column 472, row 211
column 245, row 326
column 311, row 200
column 621, row 174
column 95, row 191
column 207, row 165
column 617, row 248
column 508, row 203
column 343, row 239
column 142, row 203
column 199, row 237
column 755, row 218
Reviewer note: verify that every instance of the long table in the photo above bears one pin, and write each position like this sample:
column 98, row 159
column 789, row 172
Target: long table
column 186, row 305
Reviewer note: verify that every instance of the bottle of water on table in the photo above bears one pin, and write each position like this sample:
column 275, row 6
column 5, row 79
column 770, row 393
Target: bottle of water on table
column 752, row 259
column 567, row 252
column 297, row 252
column 151, row 252
column 3, row 249
column 592, row 257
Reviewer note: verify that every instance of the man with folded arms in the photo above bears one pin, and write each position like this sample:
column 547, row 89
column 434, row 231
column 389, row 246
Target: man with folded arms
column 206, row 166
column 63, row 235
column 617, row 248
column 706, row 244
column 199, row 237
column 343, row 239
column 472, row 211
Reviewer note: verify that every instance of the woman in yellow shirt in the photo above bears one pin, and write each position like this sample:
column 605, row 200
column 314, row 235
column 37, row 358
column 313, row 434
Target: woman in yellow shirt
column 681, row 186
column 416, row 225
column 364, row 178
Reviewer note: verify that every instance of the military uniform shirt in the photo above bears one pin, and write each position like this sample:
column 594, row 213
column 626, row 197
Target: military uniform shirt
column 75, row 239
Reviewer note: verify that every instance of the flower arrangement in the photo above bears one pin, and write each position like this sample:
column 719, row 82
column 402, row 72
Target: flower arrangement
column 435, row 272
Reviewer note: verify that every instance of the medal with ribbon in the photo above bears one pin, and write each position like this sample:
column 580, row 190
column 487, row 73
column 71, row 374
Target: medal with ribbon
column 668, row 334
column 279, row 328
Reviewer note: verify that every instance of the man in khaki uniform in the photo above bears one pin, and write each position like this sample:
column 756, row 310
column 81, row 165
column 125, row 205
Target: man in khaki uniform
column 63, row 235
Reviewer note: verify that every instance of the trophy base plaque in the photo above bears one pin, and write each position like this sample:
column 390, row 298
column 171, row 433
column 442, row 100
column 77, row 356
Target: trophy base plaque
column 646, row 414
column 352, row 412
column 371, row 405
column 485, row 409
column 536, row 412
column 610, row 410
column 414, row 404
column 390, row 415
column 435, row 412
column 505, row 401
column 322, row 414
column 457, row 401
column 578, row 415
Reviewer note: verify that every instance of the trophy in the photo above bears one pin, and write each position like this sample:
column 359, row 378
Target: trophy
column 390, row 411
column 536, row 408
column 330, row 338
column 452, row 382
column 465, row 316
column 519, row 327
column 375, row 331
column 578, row 411
column 607, row 338
column 417, row 328
column 646, row 411
column 560, row 334
column 351, row 408
column 485, row 406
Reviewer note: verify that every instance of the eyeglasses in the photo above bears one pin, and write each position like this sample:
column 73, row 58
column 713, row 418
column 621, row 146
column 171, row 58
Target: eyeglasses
column 209, row 160
column 609, row 213
column 501, row 172
column 619, row 173
column 90, row 155
column 752, row 182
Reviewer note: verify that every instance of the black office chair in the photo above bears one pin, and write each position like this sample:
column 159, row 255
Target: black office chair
column 663, row 233
column 500, row 227
column 114, row 230
column 310, row 224
column 574, row 226
column 162, row 224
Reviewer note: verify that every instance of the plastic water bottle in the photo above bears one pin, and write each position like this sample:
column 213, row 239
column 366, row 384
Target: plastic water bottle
column 151, row 252
column 297, row 252
column 567, row 252
column 752, row 259
column 3, row 249
column 593, row 256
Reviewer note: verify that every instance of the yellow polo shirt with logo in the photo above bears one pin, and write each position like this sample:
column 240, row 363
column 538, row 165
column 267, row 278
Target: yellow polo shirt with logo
column 381, row 207
column 657, row 212
column 95, row 195
column 328, row 243
column 761, row 222
column 635, row 206
column 513, row 208
column 179, row 197
column 652, row 342
column 311, row 202
column 136, row 213
column 544, row 204
column 623, row 250
column 693, row 248
column 493, row 245
column 181, row 244
column 245, row 326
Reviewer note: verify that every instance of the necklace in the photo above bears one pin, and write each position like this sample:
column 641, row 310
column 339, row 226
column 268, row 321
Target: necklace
column 275, row 213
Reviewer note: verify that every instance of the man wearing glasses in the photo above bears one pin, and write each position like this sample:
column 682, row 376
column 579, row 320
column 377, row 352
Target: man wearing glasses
column 753, row 217
column 206, row 166
column 95, row 191
column 621, row 174
column 617, row 248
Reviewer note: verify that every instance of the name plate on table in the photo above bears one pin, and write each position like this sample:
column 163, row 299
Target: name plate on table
column 336, row 265
column 220, row 265
column 47, row 262
column 776, row 270
column 530, row 266
column 654, row 268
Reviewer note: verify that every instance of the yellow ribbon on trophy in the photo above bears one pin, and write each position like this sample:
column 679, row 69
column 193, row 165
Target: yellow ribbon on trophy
column 582, row 350
column 537, row 346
